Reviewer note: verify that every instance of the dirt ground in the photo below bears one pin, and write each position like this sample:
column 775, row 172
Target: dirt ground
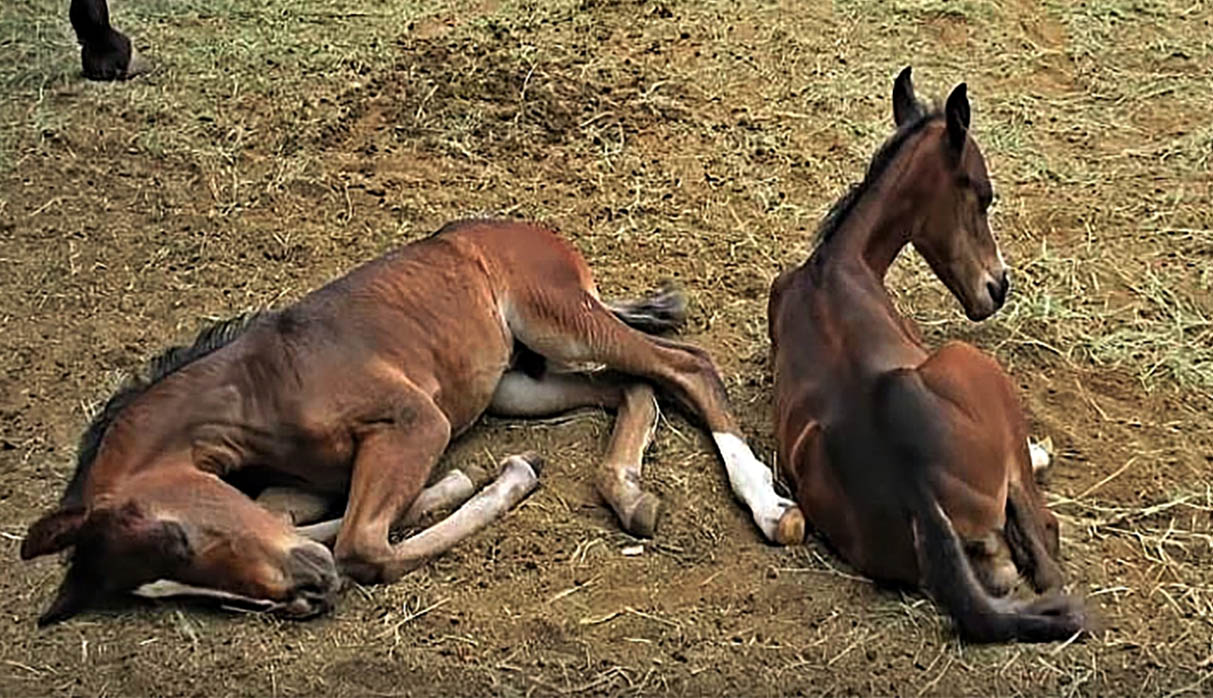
column 279, row 145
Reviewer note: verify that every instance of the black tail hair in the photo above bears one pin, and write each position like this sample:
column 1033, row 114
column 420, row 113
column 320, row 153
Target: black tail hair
column 664, row 310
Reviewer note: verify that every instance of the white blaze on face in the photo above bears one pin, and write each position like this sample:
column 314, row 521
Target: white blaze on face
column 753, row 483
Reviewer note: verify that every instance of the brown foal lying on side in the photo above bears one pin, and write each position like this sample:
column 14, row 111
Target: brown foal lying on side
column 915, row 465
column 356, row 390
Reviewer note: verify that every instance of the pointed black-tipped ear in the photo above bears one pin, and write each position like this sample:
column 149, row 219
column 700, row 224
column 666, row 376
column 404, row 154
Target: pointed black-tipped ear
column 56, row 531
column 957, row 113
column 75, row 593
column 906, row 107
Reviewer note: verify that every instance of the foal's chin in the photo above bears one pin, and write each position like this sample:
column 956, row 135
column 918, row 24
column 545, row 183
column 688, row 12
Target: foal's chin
column 979, row 306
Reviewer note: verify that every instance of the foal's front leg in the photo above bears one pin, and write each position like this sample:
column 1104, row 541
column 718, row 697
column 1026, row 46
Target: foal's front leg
column 392, row 464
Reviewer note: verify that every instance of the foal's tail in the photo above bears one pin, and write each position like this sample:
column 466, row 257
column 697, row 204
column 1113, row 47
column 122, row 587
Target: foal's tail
column 665, row 310
column 948, row 576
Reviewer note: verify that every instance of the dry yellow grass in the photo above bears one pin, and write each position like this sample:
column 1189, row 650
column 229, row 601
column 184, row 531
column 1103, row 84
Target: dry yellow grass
column 280, row 144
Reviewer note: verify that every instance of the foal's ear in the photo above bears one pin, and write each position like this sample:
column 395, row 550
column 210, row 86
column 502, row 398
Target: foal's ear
column 957, row 114
column 906, row 107
column 54, row 532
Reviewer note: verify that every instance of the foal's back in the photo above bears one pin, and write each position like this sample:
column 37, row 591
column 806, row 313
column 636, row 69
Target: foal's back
column 297, row 387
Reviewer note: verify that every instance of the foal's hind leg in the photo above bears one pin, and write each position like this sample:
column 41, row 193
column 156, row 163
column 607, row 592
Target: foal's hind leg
column 571, row 325
column 618, row 477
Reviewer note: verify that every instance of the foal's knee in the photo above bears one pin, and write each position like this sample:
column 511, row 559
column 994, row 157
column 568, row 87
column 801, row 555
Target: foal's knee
column 364, row 561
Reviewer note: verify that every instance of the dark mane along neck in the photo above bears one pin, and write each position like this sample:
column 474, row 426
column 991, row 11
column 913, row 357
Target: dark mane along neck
column 209, row 339
column 885, row 155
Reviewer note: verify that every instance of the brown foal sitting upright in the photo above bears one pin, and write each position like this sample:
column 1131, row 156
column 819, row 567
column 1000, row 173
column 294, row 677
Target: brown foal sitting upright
column 915, row 465
column 356, row 391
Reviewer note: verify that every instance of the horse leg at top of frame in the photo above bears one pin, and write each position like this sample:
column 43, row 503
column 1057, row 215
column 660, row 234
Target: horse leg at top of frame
column 105, row 53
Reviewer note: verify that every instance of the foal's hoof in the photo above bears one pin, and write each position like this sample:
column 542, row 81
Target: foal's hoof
column 790, row 530
column 361, row 572
column 532, row 459
column 643, row 521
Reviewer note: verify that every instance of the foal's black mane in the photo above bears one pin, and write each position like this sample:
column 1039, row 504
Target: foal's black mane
column 209, row 339
column 880, row 162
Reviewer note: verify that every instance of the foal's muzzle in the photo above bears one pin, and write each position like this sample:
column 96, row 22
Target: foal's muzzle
column 998, row 288
column 314, row 581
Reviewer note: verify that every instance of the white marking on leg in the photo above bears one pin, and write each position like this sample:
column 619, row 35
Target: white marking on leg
column 453, row 489
column 1040, row 453
column 517, row 480
column 752, row 482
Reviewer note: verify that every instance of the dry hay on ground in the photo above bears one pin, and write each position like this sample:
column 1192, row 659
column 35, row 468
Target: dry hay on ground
column 281, row 143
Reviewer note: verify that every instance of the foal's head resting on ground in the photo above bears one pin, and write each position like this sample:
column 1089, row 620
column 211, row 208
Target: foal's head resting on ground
column 136, row 512
column 188, row 527
column 949, row 188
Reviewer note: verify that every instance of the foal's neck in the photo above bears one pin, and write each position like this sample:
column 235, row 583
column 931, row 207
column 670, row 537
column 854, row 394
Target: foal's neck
column 881, row 221
column 875, row 232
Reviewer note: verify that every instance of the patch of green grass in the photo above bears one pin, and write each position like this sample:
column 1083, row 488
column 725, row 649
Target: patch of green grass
column 222, row 69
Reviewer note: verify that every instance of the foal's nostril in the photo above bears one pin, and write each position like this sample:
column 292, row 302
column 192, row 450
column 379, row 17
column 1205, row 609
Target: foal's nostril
column 998, row 289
